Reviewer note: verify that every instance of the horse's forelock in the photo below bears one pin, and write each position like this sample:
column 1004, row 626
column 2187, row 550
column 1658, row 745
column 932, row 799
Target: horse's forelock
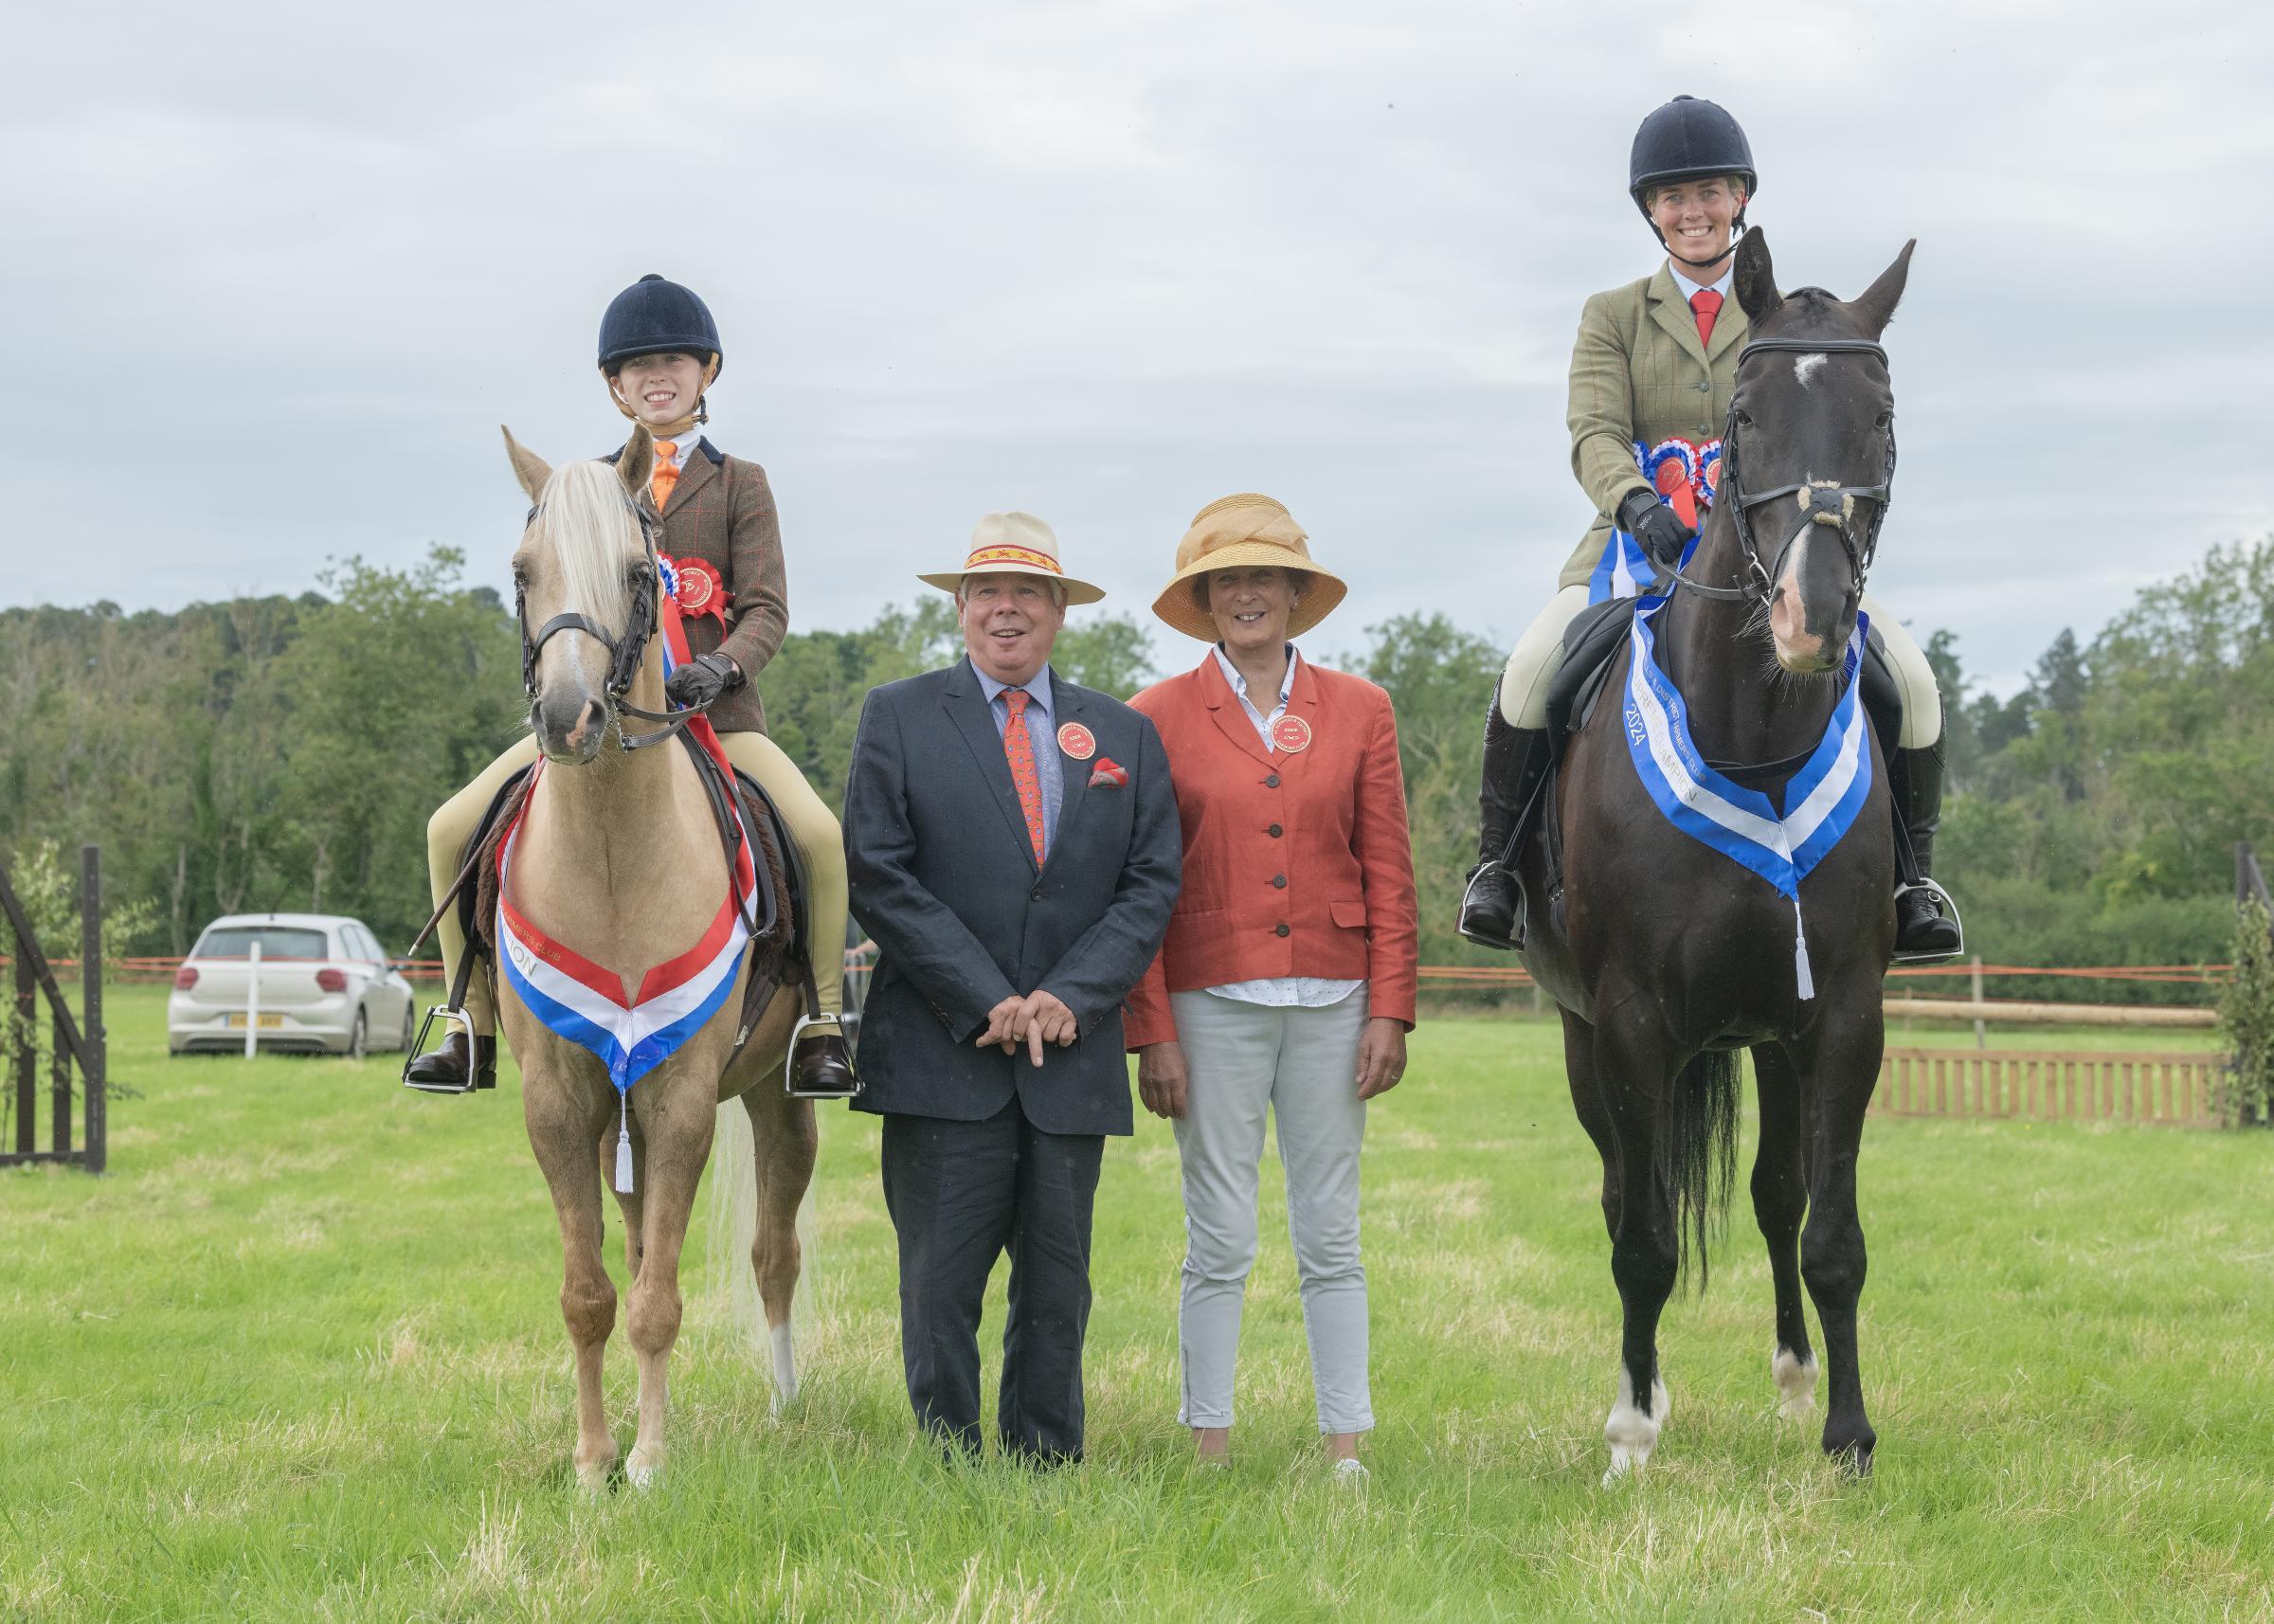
column 593, row 535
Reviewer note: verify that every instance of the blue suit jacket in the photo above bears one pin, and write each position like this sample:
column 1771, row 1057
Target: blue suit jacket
column 944, row 877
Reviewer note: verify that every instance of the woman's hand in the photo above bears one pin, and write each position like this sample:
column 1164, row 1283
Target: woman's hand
column 1380, row 1057
column 1162, row 1079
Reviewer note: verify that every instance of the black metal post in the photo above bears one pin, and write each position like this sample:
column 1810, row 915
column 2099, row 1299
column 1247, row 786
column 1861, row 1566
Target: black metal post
column 28, row 1054
column 95, row 1062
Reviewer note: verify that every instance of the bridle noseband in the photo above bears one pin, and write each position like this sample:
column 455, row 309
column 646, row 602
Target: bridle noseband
column 626, row 654
column 1827, row 505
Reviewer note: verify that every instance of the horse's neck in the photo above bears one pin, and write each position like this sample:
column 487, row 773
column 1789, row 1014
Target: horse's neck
column 621, row 858
column 1742, row 708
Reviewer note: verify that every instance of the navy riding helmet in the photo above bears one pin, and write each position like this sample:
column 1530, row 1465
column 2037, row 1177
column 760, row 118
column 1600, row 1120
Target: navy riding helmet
column 1689, row 139
column 654, row 317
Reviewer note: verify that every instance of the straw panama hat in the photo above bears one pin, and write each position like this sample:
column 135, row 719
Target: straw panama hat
column 1014, row 544
column 1236, row 532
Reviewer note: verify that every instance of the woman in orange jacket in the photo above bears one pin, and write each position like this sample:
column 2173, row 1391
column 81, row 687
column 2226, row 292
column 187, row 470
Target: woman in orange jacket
column 1286, row 978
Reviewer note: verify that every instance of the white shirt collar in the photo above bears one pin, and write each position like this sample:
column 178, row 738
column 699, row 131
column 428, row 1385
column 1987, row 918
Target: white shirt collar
column 1690, row 289
column 682, row 444
column 1037, row 686
column 1241, row 683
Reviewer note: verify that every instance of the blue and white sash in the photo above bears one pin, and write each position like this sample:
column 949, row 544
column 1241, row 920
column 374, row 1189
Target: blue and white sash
column 1826, row 796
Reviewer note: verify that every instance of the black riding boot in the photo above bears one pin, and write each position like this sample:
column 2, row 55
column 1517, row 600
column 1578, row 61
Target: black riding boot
column 1926, row 927
column 1515, row 759
column 446, row 1067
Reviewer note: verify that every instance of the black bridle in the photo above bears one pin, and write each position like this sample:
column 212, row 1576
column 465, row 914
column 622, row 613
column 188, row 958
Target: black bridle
column 1818, row 504
column 626, row 654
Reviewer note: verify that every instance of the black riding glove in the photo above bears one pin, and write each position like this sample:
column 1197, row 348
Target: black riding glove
column 702, row 681
column 1660, row 530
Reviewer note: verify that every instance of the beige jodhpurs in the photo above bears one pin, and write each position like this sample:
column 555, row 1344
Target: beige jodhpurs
column 809, row 818
column 1540, row 655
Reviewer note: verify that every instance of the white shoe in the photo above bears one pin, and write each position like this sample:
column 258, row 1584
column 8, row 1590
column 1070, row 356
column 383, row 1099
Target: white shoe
column 1352, row 1471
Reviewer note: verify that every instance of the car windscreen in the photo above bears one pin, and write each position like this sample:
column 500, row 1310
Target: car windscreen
column 276, row 942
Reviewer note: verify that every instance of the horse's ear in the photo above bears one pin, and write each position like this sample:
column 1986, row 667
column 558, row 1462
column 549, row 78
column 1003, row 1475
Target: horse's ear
column 1876, row 307
column 638, row 461
column 1756, row 277
column 530, row 468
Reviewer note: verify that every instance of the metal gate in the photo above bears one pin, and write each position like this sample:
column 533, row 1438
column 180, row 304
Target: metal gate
column 77, row 1041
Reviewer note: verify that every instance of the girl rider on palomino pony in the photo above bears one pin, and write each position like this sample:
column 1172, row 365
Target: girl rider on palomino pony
column 659, row 353
column 1656, row 362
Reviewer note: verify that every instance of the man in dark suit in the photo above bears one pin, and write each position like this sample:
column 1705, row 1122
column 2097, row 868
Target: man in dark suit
column 1013, row 847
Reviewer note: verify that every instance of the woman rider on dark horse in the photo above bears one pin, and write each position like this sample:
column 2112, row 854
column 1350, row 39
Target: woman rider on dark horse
column 1656, row 363
column 659, row 353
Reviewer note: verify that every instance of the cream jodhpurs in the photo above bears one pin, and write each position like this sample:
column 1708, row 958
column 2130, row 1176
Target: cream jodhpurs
column 806, row 815
column 1302, row 1064
column 1540, row 655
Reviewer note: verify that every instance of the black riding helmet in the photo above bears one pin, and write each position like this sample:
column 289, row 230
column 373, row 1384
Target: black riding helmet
column 654, row 317
column 1689, row 139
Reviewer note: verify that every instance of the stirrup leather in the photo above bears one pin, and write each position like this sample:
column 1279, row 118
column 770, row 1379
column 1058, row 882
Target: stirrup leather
column 1948, row 907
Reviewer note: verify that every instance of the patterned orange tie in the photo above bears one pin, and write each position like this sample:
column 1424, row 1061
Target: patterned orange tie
column 1705, row 304
column 1021, row 749
column 666, row 477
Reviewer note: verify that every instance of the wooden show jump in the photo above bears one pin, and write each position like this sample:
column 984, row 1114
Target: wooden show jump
column 80, row 1041
column 2070, row 1085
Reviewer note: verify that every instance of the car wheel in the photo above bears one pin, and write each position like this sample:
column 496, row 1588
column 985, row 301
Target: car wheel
column 410, row 1027
column 359, row 1037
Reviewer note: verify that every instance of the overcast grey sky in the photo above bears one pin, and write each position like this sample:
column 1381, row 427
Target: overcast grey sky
column 275, row 273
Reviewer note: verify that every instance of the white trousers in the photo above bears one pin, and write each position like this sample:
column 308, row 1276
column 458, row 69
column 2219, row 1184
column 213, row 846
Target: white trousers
column 1303, row 1065
column 1539, row 655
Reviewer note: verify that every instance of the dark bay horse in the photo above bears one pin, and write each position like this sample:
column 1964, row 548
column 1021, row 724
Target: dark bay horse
column 1666, row 955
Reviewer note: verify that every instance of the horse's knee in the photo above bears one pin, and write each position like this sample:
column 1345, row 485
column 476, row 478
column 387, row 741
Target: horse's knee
column 1650, row 1266
column 589, row 1310
column 655, row 1318
column 1834, row 1269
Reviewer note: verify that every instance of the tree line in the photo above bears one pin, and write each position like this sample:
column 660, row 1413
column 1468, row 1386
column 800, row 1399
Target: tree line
column 284, row 752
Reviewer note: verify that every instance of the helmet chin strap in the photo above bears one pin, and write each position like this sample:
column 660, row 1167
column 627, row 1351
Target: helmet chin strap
column 1701, row 265
column 680, row 425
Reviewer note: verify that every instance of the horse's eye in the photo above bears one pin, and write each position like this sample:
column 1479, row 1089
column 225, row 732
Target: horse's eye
column 1886, row 418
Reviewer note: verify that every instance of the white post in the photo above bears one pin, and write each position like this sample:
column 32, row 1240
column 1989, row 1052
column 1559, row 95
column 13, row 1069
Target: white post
column 252, row 1001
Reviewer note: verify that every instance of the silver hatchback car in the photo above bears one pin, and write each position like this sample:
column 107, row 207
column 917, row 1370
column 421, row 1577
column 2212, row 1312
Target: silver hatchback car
column 320, row 986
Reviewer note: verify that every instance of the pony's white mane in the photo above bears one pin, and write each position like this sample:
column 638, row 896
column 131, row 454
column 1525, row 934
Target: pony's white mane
column 593, row 535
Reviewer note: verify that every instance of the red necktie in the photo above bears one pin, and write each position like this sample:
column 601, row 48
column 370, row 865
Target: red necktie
column 1021, row 749
column 1705, row 304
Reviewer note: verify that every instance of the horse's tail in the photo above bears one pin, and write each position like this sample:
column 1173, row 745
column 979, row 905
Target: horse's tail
column 1701, row 1151
column 730, row 1284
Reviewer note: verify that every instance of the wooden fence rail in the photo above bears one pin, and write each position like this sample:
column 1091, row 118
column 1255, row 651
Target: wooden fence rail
column 2047, row 1085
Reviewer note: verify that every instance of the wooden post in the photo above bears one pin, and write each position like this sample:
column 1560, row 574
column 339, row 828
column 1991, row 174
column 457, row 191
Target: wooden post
column 27, row 1052
column 94, row 1061
column 1982, row 1038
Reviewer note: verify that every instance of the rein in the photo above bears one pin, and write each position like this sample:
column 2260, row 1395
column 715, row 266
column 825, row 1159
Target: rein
column 1818, row 504
column 626, row 654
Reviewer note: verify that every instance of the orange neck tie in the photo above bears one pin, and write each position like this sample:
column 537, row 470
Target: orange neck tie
column 1021, row 749
column 666, row 477
column 1705, row 304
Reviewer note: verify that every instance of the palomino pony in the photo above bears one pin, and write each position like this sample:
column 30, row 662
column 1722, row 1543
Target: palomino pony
column 1666, row 954
column 619, row 856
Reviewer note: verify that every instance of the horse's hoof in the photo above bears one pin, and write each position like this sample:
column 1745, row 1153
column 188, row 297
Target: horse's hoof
column 641, row 1472
column 593, row 1480
column 1631, row 1434
column 1796, row 1382
column 1853, row 1458
column 786, row 1370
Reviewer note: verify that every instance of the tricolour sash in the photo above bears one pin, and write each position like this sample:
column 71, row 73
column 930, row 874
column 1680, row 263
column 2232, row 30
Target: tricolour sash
column 578, row 999
column 1825, row 796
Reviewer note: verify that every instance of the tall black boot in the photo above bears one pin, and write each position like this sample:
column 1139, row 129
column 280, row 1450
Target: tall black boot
column 1926, row 922
column 1515, row 760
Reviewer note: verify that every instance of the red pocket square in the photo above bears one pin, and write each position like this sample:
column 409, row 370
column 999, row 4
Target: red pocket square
column 1109, row 771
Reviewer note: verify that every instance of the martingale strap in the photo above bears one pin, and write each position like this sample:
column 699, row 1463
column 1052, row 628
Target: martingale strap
column 1825, row 797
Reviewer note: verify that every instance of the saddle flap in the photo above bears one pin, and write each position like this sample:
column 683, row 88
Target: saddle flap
column 1590, row 642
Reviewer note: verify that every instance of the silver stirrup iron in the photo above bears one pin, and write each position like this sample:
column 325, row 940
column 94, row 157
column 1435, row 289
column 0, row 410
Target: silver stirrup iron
column 1949, row 909
column 790, row 1062
column 449, row 1016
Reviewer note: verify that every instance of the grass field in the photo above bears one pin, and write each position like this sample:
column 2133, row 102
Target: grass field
column 300, row 1357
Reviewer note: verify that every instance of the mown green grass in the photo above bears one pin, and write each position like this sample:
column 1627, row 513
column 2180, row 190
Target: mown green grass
column 300, row 1357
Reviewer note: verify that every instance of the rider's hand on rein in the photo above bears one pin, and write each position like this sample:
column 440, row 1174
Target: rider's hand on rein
column 1645, row 516
column 702, row 681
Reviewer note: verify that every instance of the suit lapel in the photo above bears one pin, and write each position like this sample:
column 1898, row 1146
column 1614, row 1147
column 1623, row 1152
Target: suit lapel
column 967, row 705
column 695, row 470
column 1302, row 701
column 1225, row 708
column 1672, row 311
column 1074, row 776
column 1731, row 327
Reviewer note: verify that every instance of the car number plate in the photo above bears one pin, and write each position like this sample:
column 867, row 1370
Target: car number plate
column 266, row 1021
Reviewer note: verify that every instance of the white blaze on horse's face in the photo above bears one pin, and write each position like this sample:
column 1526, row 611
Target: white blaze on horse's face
column 578, row 556
column 1808, row 611
column 1805, row 367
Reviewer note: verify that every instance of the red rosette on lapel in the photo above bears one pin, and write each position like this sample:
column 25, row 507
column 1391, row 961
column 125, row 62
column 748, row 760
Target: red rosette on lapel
column 1109, row 774
column 701, row 591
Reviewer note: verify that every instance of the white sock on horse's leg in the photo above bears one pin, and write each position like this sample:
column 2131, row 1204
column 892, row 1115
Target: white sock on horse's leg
column 1795, row 1380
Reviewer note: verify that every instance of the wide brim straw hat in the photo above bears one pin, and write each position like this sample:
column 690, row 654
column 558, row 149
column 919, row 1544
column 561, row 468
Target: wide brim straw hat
column 1014, row 544
column 1239, row 532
